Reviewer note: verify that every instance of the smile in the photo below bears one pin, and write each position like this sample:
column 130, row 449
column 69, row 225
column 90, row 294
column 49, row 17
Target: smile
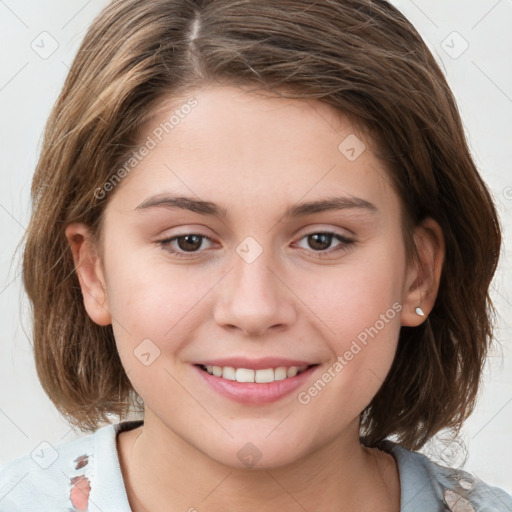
column 248, row 375
column 255, row 386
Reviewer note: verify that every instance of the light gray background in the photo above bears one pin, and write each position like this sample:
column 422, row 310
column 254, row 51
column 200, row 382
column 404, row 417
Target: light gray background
column 480, row 76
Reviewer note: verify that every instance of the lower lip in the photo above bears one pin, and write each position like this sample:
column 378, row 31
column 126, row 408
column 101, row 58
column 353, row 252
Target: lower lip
column 252, row 392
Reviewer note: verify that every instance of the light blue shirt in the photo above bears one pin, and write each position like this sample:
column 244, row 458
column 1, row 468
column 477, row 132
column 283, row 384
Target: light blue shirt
column 43, row 481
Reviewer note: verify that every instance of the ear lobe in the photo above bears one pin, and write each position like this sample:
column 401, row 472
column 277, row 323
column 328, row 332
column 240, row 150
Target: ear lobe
column 424, row 273
column 89, row 272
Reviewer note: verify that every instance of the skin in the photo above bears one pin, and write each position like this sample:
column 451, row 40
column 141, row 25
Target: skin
column 238, row 149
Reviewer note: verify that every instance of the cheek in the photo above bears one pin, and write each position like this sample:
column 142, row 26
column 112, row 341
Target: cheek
column 353, row 295
column 360, row 309
column 147, row 299
column 145, row 289
column 150, row 325
column 157, row 309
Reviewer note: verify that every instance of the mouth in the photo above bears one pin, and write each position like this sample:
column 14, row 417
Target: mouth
column 260, row 376
column 254, row 386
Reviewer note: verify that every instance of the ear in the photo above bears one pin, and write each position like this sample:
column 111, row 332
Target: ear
column 90, row 273
column 424, row 272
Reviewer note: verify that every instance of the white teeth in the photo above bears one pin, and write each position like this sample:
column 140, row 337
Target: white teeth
column 229, row 373
column 292, row 371
column 280, row 373
column 260, row 376
column 264, row 375
column 244, row 375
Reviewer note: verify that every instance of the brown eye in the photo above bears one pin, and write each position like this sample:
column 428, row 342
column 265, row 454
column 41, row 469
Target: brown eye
column 182, row 244
column 321, row 241
column 189, row 242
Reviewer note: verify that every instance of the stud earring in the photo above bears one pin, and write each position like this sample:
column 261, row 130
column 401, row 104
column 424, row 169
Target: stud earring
column 418, row 309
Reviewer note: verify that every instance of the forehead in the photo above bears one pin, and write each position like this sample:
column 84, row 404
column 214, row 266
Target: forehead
column 241, row 148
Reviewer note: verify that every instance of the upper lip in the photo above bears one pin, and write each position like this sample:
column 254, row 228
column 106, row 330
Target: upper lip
column 255, row 364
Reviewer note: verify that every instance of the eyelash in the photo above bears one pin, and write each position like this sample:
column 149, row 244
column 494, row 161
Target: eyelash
column 346, row 243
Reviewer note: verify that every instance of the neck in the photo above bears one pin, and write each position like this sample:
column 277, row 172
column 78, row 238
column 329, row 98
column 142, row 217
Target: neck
column 159, row 468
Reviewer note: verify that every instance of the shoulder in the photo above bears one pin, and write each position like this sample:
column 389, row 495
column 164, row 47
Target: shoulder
column 426, row 484
column 61, row 477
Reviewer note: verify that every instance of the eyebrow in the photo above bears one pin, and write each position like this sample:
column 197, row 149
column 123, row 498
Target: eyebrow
column 298, row 210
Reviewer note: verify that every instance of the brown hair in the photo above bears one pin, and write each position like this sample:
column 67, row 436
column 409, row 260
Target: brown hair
column 361, row 57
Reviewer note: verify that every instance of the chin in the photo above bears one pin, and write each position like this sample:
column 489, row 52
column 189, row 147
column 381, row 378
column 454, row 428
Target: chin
column 259, row 454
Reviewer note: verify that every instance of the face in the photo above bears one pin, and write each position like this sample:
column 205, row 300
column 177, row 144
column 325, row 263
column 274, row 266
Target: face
column 254, row 274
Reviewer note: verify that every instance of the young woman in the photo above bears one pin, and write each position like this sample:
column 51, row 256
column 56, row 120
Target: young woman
column 260, row 223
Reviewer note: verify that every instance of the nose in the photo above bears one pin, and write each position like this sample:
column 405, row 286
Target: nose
column 253, row 297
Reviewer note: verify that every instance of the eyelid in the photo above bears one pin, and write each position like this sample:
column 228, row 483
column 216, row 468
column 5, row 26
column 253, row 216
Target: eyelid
column 326, row 228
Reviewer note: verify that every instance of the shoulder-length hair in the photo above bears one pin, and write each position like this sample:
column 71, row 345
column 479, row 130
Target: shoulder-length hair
column 361, row 57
